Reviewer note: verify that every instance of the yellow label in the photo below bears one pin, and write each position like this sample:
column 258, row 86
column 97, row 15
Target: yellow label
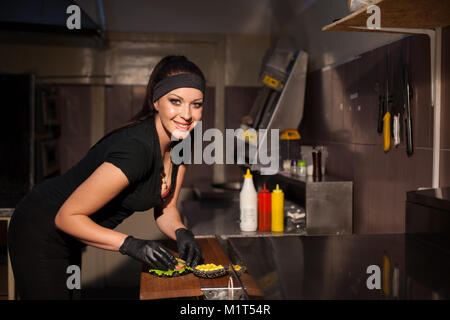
column 272, row 82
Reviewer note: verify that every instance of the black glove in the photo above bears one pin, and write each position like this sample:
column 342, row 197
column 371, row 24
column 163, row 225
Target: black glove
column 148, row 251
column 188, row 249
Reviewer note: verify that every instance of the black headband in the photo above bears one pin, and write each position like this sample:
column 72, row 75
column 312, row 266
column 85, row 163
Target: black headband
column 181, row 80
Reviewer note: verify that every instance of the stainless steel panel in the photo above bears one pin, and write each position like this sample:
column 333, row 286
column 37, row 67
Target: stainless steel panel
column 329, row 207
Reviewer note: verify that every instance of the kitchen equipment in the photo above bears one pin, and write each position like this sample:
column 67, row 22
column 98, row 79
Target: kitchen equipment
column 237, row 277
column 280, row 101
column 407, row 95
column 328, row 201
column 428, row 215
column 381, row 111
column 387, row 115
column 277, row 210
column 295, row 218
column 396, row 129
column 290, row 145
column 290, row 134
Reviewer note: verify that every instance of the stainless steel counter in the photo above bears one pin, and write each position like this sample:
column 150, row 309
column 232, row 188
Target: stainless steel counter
column 208, row 218
column 328, row 200
column 6, row 212
column 336, row 267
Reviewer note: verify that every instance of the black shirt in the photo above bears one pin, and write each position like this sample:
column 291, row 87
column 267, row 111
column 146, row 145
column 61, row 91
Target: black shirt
column 135, row 150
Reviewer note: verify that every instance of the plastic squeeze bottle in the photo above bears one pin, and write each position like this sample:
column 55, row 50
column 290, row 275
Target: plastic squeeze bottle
column 264, row 207
column 248, row 204
column 277, row 210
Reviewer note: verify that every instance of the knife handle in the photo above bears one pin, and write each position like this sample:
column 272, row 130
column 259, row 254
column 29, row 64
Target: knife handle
column 387, row 131
column 380, row 115
column 396, row 129
column 409, row 138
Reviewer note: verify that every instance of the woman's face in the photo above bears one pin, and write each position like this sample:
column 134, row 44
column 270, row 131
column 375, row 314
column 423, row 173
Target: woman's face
column 180, row 110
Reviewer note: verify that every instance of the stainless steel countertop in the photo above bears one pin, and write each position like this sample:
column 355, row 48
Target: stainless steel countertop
column 336, row 267
column 209, row 218
column 6, row 212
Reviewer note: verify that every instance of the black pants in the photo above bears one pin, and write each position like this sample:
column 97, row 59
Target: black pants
column 39, row 262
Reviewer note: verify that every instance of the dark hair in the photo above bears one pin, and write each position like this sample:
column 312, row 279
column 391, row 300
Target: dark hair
column 168, row 66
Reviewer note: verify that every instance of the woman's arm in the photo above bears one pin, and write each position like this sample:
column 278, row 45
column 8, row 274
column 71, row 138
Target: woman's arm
column 106, row 182
column 167, row 216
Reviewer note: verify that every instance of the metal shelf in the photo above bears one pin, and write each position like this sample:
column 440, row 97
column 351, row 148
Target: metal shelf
column 398, row 14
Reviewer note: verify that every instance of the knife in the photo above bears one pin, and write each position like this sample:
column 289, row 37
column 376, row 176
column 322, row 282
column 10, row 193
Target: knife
column 240, row 282
column 387, row 115
column 408, row 120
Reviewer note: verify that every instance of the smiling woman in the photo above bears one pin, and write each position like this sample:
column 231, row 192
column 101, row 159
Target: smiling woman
column 179, row 111
column 128, row 170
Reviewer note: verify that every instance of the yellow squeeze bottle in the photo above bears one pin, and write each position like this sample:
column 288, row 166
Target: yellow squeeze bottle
column 277, row 210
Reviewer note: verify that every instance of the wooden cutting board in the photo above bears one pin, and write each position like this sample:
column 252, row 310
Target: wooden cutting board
column 153, row 287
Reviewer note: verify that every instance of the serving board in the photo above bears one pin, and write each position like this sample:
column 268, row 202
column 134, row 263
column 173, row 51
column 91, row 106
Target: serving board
column 153, row 287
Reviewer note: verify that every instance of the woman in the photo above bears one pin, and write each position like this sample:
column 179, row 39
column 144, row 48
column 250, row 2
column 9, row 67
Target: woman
column 128, row 170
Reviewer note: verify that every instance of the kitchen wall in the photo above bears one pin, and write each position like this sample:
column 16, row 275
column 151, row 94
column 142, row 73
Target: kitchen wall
column 341, row 108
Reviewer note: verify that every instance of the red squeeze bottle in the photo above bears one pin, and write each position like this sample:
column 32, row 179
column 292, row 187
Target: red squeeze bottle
column 264, row 209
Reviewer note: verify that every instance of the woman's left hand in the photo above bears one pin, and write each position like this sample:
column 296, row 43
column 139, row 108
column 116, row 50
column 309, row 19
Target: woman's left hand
column 188, row 249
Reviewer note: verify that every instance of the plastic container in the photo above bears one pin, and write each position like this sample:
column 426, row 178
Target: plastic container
column 301, row 169
column 306, row 152
column 248, row 204
column 277, row 205
column 264, row 209
column 293, row 168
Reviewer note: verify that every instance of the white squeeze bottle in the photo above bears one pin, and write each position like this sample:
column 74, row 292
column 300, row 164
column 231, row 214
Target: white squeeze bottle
column 249, row 204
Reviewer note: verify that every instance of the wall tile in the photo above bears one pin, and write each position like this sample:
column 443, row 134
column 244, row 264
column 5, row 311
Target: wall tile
column 445, row 104
column 362, row 188
column 137, row 99
column 118, row 106
column 337, row 87
column 326, row 103
column 444, row 178
column 371, row 70
column 75, row 115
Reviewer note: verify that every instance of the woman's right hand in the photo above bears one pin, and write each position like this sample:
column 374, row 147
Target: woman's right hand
column 148, row 251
